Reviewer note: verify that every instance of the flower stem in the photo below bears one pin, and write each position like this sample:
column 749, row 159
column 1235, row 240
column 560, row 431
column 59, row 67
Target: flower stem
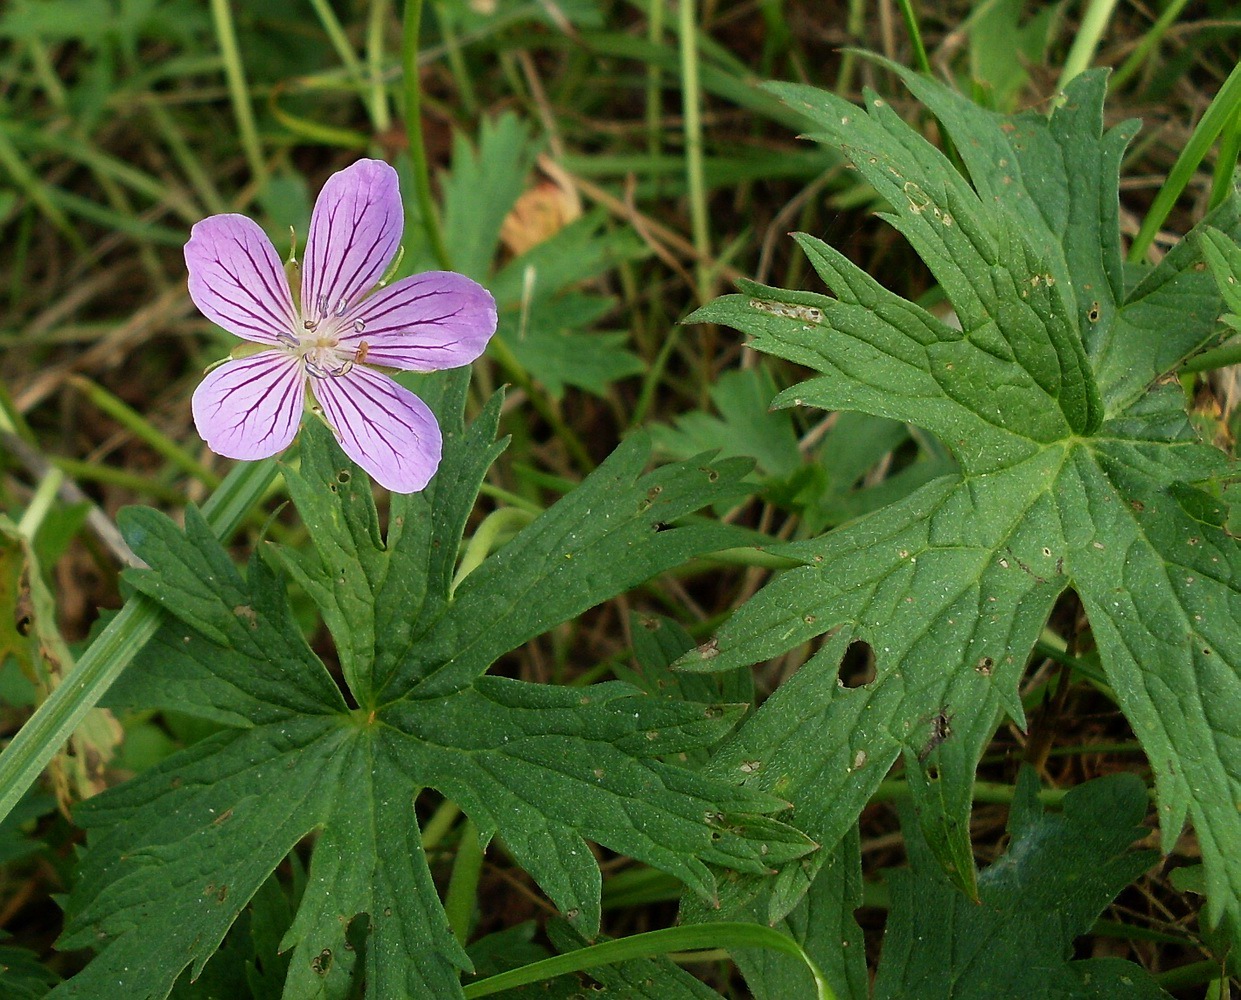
column 55, row 720
column 413, row 131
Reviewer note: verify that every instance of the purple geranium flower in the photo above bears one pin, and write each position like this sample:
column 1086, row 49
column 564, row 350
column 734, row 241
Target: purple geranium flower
column 251, row 407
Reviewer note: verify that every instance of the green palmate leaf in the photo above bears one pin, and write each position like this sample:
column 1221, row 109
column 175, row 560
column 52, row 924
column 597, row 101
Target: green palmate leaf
column 1074, row 473
column 1059, row 873
column 190, row 841
column 482, row 187
column 548, row 325
column 659, row 642
column 377, row 594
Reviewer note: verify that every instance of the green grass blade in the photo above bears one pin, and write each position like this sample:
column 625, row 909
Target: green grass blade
column 661, row 942
column 1086, row 41
column 1223, row 109
column 1147, row 45
column 412, row 28
column 1222, row 182
column 238, row 91
column 36, row 190
column 921, row 61
column 691, row 103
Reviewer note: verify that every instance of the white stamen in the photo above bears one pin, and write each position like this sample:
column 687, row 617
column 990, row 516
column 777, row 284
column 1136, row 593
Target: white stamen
column 340, row 307
column 359, row 325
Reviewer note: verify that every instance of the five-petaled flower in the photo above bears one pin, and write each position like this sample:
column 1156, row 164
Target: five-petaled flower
column 250, row 407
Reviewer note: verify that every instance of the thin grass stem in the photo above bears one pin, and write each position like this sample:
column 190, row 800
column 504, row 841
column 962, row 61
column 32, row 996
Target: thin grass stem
column 340, row 41
column 654, row 84
column 204, row 187
column 456, row 63
column 691, row 103
column 1086, row 41
column 381, row 115
column 910, row 16
column 36, row 190
column 413, row 128
column 670, row 940
column 1222, row 110
column 1146, row 46
column 144, row 430
column 238, row 90
column 40, row 503
column 141, row 485
column 1223, row 178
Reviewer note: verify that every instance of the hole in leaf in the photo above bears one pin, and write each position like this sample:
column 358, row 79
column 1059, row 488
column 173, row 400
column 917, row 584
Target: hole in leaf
column 857, row 666
column 343, row 476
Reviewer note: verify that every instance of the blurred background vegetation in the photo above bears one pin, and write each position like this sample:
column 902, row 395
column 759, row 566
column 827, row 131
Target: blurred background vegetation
column 604, row 166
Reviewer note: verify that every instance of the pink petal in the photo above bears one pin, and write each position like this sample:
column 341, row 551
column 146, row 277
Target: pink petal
column 422, row 323
column 237, row 280
column 382, row 426
column 354, row 232
column 251, row 407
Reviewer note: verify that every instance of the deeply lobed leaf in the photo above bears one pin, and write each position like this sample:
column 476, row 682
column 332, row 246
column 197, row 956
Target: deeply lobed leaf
column 1077, row 471
column 190, row 842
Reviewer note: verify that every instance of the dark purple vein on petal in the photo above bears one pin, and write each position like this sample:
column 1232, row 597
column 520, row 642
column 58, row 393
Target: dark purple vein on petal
column 262, row 308
column 274, row 282
column 318, row 246
column 360, row 421
column 279, row 380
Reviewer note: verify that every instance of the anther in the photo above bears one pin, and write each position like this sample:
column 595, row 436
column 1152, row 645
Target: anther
column 340, row 307
column 359, row 325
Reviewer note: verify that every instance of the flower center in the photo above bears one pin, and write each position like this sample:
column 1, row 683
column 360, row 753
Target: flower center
column 317, row 343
